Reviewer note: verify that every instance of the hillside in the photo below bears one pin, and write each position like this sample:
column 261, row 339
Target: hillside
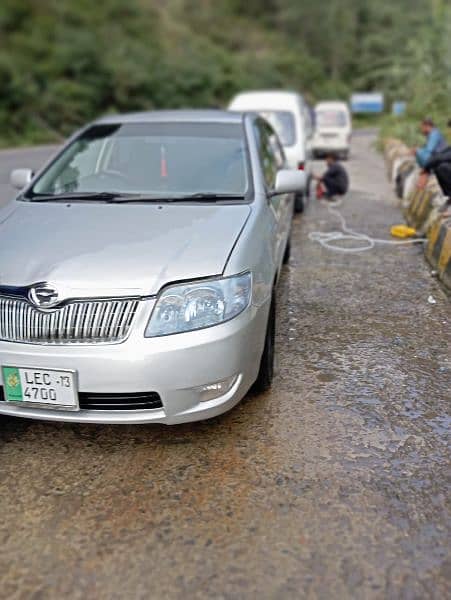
column 64, row 62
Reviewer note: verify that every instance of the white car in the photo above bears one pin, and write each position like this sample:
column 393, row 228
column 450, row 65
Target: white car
column 139, row 268
column 333, row 129
column 290, row 116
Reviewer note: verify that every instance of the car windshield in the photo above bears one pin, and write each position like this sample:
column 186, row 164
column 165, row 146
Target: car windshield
column 331, row 118
column 283, row 123
column 161, row 159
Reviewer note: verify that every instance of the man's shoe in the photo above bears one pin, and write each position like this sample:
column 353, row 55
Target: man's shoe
column 334, row 201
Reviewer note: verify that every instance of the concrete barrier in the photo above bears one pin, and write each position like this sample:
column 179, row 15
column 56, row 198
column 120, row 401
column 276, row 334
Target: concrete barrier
column 403, row 168
column 410, row 184
column 438, row 249
column 425, row 209
column 395, row 154
column 420, row 206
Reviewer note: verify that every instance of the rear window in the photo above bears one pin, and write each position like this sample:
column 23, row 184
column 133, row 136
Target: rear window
column 331, row 118
column 283, row 123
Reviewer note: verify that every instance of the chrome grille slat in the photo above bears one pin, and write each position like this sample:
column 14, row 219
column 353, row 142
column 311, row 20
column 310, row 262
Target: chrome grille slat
column 82, row 322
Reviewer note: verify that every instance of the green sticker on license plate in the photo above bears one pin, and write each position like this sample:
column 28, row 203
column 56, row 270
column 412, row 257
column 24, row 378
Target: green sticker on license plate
column 13, row 387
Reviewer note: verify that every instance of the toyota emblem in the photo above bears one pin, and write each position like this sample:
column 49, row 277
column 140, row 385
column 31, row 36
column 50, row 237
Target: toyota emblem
column 43, row 295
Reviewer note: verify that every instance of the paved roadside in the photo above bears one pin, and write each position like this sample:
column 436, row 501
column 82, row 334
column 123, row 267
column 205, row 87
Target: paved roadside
column 333, row 485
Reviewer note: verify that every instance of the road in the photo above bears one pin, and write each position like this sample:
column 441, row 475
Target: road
column 333, row 485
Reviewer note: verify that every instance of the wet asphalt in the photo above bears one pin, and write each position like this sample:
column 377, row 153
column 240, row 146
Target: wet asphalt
column 333, row 485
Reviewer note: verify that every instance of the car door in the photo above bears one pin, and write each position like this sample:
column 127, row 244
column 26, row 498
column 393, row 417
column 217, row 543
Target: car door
column 272, row 160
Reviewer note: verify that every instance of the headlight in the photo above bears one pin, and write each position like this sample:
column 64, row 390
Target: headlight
column 191, row 306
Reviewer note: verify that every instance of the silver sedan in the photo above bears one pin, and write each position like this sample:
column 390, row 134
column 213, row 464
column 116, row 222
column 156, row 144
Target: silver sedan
column 138, row 270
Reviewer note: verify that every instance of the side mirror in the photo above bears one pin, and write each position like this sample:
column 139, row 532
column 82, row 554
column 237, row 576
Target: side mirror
column 288, row 181
column 20, row 178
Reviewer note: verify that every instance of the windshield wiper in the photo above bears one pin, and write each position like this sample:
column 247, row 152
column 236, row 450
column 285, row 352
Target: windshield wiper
column 118, row 198
column 213, row 196
column 81, row 196
column 197, row 197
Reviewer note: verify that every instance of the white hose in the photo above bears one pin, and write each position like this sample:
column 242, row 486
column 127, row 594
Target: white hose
column 329, row 239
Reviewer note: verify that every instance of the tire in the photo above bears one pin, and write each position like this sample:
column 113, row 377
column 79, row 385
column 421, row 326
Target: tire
column 299, row 203
column 287, row 253
column 266, row 371
column 308, row 194
column 345, row 155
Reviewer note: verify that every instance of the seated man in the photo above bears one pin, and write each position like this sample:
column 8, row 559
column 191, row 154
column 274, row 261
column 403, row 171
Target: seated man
column 435, row 142
column 335, row 181
column 440, row 165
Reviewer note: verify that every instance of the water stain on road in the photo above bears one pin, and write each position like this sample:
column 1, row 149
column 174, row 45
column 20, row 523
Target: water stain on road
column 334, row 484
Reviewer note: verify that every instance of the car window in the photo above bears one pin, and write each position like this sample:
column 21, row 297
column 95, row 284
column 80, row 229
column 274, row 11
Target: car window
column 271, row 153
column 276, row 148
column 86, row 159
column 331, row 118
column 152, row 158
column 284, row 124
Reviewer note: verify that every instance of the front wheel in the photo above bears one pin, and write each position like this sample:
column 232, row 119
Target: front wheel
column 345, row 155
column 309, row 188
column 266, row 372
column 287, row 253
column 299, row 203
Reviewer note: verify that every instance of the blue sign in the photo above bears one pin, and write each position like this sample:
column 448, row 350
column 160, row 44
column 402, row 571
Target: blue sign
column 372, row 102
column 399, row 108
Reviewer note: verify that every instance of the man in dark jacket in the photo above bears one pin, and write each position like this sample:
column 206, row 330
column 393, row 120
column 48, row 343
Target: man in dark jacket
column 335, row 180
column 440, row 165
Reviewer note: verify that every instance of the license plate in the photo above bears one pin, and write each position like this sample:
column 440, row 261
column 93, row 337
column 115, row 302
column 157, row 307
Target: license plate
column 49, row 388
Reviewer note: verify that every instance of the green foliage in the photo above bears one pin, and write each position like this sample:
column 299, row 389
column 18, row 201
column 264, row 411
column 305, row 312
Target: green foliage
column 63, row 62
column 424, row 74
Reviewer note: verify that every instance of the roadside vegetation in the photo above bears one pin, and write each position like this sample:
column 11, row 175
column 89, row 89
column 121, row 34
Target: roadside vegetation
column 423, row 71
column 62, row 63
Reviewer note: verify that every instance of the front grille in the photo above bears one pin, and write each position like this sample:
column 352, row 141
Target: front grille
column 133, row 401
column 80, row 322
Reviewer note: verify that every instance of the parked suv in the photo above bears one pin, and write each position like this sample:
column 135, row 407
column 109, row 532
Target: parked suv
column 139, row 267
column 290, row 116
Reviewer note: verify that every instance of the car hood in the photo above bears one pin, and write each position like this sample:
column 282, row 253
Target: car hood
column 110, row 249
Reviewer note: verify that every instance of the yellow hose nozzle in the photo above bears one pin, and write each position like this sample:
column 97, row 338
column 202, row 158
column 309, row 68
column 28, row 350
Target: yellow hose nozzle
column 402, row 231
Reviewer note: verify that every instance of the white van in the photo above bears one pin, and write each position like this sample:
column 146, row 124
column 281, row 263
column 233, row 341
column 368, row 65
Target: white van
column 333, row 129
column 291, row 118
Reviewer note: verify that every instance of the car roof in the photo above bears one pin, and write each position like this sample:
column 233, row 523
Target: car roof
column 175, row 116
column 266, row 99
column 332, row 104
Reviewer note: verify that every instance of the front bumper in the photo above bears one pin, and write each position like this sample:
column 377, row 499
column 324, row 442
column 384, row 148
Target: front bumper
column 330, row 145
column 173, row 366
